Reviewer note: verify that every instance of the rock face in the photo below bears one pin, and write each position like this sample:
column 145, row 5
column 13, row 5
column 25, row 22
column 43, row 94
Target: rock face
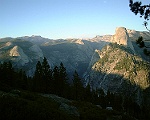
column 121, row 37
column 17, row 55
column 15, row 51
column 37, row 52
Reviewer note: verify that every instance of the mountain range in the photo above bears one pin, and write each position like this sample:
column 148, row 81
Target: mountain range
column 76, row 54
column 111, row 62
column 24, row 52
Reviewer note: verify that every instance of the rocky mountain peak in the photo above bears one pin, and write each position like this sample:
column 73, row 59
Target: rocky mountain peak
column 121, row 37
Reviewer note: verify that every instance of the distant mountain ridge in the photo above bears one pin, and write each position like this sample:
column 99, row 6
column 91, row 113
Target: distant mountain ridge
column 24, row 52
column 76, row 54
column 111, row 62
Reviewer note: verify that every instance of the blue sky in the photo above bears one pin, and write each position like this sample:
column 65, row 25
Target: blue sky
column 65, row 18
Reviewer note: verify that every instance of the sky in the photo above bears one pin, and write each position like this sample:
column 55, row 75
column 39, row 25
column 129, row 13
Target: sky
column 57, row 19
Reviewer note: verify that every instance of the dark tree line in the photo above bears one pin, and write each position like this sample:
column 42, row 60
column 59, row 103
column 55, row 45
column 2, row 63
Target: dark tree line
column 48, row 80
column 55, row 81
column 10, row 78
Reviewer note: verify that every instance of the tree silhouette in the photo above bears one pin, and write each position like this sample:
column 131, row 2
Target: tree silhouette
column 77, row 87
column 46, row 75
column 7, row 74
column 141, row 44
column 56, row 80
column 42, row 77
column 59, row 82
column 88, row 93
column 37, row 79
column 21, row 80
column 63, row 79
column 102, row 100
column 143, row 10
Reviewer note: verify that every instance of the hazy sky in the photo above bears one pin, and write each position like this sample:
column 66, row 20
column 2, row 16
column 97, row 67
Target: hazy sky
column 65, row 18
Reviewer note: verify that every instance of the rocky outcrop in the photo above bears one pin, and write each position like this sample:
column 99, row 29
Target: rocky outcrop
column 17, row 55
column 121, row 37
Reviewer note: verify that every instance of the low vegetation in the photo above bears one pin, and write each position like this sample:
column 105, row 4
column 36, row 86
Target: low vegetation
column 25, row 105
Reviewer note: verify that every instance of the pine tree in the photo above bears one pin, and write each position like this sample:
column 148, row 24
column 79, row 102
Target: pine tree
column 46, row 75
column 20, row 80
column 23, row 79
column 7, row 73
column 88, row 94
column 77, row 87
column 37, row 79
column 56, row 80
column 42, row 77
column 109, row 99
column 101, row 98
column 63, row 80
column 117, row 103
